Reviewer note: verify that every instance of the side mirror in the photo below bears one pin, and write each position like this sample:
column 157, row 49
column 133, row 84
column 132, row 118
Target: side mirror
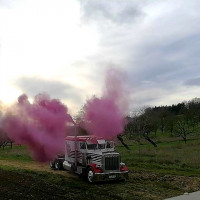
column 88, row 157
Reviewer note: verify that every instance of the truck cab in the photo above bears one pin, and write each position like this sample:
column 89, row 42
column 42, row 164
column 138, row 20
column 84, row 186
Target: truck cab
column 93, row 157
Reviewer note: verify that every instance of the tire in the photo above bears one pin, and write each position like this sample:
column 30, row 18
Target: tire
column 58, row 165
column 90, row 175
column 52, row 164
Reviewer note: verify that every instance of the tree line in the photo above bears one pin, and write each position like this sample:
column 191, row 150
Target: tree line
column 181, row 120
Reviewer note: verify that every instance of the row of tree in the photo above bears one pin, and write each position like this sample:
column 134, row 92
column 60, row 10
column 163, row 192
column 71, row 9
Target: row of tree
column 179, row 120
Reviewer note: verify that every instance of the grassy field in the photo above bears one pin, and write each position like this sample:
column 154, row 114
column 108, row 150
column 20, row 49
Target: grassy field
column 155, row 173
column 173, row 157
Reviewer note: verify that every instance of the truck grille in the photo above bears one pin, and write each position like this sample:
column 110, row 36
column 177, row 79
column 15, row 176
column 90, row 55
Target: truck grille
column 112, row 163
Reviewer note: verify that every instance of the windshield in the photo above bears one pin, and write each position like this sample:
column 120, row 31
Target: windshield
column 109, row 145
column 91, row 146
column 101, row 146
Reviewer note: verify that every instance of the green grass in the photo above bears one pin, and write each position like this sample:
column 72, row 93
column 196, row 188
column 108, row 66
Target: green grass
column 17, row 153
column 169, row 157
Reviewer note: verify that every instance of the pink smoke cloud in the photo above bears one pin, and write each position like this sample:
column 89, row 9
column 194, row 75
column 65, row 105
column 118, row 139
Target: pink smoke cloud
column 105, row 116
column 40, row 125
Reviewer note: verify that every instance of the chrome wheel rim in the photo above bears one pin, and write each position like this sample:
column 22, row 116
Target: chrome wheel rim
column 56, row 165
column 51, row 164
column 90, row 176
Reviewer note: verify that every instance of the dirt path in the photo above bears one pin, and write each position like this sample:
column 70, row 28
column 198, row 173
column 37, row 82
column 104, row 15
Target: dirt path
column 33, row 165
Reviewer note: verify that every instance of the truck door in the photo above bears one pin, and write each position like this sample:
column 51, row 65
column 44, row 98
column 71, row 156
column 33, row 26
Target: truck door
column 82, row 150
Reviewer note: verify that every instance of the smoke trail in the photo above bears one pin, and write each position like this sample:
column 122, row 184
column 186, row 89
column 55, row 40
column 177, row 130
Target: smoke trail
column 41, row 125
column 105, row 116
column 116, row 88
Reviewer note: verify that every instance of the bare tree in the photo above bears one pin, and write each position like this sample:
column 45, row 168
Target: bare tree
column 5, row 140
column 141, row 125
column 120, row 138
column 162, row 114
column 183, row 129
column 170, row 123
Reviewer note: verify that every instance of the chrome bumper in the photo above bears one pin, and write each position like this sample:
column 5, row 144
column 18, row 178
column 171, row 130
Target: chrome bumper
column 111, row 176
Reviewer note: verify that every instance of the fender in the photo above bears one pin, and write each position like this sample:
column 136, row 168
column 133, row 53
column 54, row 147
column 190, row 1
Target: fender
column 95, row 168
column 123, row 168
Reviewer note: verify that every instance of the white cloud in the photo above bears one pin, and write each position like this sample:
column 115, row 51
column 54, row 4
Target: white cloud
column 161, row 47
column 41, row 38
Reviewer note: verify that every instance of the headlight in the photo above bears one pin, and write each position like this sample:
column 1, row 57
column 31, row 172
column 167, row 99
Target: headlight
column 99, row 166
column 122, row 164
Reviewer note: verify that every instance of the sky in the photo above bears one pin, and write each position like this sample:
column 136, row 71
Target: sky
column 63, row 48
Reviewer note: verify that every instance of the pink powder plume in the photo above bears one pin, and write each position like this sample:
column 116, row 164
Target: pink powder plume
column 105, row 116
column 41, row 125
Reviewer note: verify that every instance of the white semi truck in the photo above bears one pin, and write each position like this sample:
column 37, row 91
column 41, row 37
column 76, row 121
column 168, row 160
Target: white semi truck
column 91, row 156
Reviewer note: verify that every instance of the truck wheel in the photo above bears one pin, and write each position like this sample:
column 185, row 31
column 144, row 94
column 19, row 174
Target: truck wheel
column 52, row 164
column 90, row 175
column 58, row 165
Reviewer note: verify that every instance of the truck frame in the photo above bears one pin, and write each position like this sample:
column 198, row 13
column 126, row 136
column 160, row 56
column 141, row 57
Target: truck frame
column 93, row 157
